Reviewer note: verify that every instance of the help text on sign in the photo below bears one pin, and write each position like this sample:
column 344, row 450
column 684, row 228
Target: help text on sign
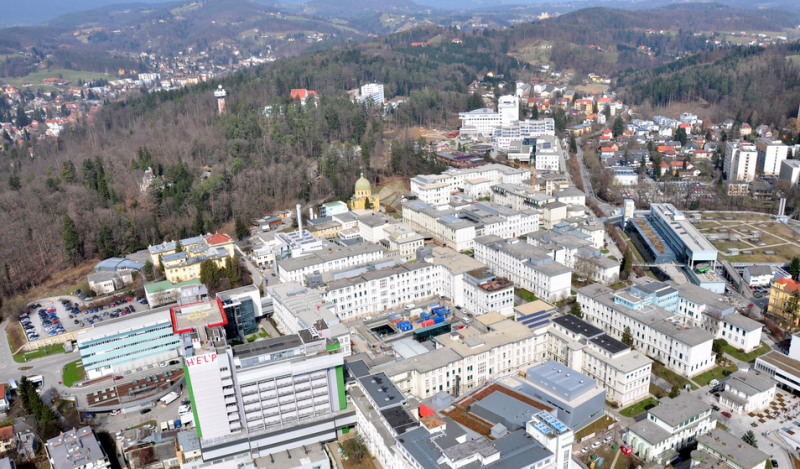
column 201, row 360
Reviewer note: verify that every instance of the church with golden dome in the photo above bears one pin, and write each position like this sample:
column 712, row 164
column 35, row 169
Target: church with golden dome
column 363, row 198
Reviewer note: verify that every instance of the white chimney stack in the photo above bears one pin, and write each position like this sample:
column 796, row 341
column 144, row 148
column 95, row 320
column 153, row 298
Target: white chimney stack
column 310, row 213
column 299, row 218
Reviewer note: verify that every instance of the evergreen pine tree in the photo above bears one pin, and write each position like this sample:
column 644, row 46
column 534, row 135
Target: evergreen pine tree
column 73, row 247
column 750, row 438
column 575, row 310
column 627, row 337
column 794, row 268
column 199, row 223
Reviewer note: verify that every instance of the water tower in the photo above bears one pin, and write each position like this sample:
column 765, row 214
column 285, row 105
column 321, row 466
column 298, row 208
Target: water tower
column 220, row 94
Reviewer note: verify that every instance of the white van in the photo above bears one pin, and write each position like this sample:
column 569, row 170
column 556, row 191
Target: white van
column 410, row 306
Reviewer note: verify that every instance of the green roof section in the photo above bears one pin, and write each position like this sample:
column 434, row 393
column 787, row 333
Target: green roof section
column 191, row 398
column 167, row 285
column 340, row 386
column 335, row 345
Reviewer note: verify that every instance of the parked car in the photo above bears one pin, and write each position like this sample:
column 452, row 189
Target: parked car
column 774, row 463
column 144, row 411
column 116, row 412
column 727, row 414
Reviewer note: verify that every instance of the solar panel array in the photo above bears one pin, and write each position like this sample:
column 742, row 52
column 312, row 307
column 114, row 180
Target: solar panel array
column 553, row 422
column 542, row 428
column 535, row 319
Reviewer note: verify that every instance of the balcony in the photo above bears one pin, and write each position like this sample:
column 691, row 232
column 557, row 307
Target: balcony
column 269, row 403
column 268, row 394
column 319, row 383
column 247, row 390
column 285, row 382
column 252, row 408
column 231, row 400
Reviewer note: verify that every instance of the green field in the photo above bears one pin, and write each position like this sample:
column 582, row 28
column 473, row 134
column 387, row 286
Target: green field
column 42, row 352
column 639, row 407
column 73, row 372
column 714, row 373
column 36, row 78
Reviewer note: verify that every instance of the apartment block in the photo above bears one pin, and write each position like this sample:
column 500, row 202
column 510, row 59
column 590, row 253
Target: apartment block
column 741, row 160
column 455, row 178
column 747, row 391
column 780, row 293
column 655, row 330
column 790, row 170
column 771, row 153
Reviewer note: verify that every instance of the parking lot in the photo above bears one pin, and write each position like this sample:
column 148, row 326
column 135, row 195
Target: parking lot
column 54, row 316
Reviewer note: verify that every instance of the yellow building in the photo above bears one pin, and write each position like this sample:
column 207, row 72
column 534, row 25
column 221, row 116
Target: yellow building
column 184, row 265
column 363, row 198
column 781, row 291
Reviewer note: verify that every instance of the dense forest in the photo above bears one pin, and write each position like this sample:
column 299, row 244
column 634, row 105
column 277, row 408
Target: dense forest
column 753, row 83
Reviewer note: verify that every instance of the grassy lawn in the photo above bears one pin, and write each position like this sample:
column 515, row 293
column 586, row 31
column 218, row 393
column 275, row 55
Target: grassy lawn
column 252, row 338
column 235, row 342
column 263, row 333
column 525, row 295
column 618, row 285
column 613, row 258
column 42, row 352
column 656, row 391
column 604, row 251
column 715, row 373
column 36, row 77
column 639, row 407
column 594, row 427
column 747, row 357
column 672, row 377
column 73, row 372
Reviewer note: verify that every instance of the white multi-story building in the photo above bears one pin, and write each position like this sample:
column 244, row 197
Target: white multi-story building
column 372, row 94
column 670, row 426
column 296, row 309
column 740, row 161
column 360, row 291
column 529, row 128
column 520, row 196
column 400, row 238
column 771, row 153
column 508, row 108
column 466, row 360
column 454, row 266
column 790, row 170
column 625, row 176
column 747, row 392
column 720, row 448
column 485, row 292
column 527, row 266
column 624, row 373
column 548, row 151
column 332, row 257
column 578, row 253
column 479, row 122
column 455, row 180
column 697, row 307
column 685, row 350
column 458, row 228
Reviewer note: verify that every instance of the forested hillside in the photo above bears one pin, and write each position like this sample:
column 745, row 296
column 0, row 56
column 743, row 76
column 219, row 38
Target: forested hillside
column 81, row 199
column 759, row 84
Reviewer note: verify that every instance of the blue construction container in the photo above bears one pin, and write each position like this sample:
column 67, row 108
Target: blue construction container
column 425, row 315
column 405, row 326
column 438, row 319
column 432, row 307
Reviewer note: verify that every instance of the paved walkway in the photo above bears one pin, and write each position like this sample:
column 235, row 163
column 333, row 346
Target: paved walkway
column 616, row 456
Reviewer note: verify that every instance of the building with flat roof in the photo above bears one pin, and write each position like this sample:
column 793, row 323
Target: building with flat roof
column 332, row 208
column 576, row 398
column 296, row 308
column 76, row 449
column 790, row 171
column 782, row 368
column 771, row 153
column 670, row 426
column 121, row 345
column 684, row 239
column 741, row 160
column 104, row 282
column 242, row 307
